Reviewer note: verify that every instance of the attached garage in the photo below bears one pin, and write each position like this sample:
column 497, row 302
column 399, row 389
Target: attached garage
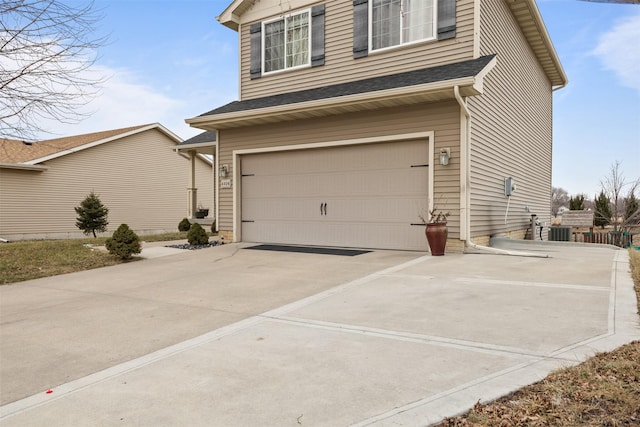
column 361, row 195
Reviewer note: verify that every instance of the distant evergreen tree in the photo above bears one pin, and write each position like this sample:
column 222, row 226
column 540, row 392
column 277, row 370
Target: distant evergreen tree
column 576, row 203
column 631, row 214
column 603, row 210
column 92, row 215
column 124, row 243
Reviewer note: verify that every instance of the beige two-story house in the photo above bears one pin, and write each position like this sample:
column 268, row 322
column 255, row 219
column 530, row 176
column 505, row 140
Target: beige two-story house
column 355, row 117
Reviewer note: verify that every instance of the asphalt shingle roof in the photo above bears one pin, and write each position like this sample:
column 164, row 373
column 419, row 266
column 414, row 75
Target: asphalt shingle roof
column 457, row 70
column 208, row 136
column 13, row 151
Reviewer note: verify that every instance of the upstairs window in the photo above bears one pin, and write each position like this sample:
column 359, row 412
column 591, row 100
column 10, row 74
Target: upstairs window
column 293, row 41
column 287, row 42
column 382, row 24
column 396, row 22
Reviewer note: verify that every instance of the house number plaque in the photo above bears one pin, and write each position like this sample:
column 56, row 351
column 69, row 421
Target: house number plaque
column 225, row 183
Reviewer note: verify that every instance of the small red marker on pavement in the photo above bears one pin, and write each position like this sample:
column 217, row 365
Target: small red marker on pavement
column 49, row 391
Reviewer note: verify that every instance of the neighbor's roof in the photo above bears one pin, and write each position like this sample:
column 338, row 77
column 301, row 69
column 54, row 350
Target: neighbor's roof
column 428, row 84
column 13, row 151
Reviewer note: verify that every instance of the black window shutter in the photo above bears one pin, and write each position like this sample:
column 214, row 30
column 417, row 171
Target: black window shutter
column 446, row 19
column 317, row 35
column 256, row 50
column 360, row 28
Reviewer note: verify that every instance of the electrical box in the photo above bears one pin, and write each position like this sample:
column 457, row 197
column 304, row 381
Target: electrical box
column 509, row 186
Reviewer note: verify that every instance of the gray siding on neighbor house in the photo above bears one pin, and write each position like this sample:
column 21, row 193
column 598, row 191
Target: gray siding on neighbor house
column 511, row 130
column 139, row 178
column 441, row 118
column 340, row 66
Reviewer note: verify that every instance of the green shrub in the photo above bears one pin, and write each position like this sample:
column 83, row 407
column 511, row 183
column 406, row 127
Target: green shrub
column 124, row 243
column 197, row 235
column 184, row 225
column 213, row 228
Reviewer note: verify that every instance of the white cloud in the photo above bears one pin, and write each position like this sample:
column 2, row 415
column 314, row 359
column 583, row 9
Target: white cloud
column 618, row 51
column 125, row 100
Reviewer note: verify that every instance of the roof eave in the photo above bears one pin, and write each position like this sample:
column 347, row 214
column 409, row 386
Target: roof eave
column 527, row 14
column 428, row 92
column 201, row 147
column 158, row 126
column 24, row 166
column 230, row 17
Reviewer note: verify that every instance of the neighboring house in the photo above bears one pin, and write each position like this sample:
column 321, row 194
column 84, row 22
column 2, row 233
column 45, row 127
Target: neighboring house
column 135, row 171
column 346, row 107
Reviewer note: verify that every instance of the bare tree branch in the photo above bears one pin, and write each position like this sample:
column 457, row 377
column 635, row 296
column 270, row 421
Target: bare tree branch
column 47, row 49
column 613, row 187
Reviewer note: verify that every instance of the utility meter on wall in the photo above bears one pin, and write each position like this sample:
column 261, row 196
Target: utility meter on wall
column 509, row 186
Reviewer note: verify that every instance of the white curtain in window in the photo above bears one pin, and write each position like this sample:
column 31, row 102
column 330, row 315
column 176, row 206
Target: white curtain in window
column 385, row 19
column 274, row 46
column 417, row 20
column 297, row 40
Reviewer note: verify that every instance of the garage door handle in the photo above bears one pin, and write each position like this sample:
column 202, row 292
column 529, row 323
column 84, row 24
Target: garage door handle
column 323, row 208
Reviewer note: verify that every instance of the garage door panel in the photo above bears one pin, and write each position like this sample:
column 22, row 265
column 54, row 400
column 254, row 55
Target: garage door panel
column 270, row 186
column 372, row 193
column 374, row 210
column 363, row 235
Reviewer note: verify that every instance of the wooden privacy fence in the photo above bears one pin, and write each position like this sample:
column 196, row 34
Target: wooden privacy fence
column 617, row 238
column 584, row 220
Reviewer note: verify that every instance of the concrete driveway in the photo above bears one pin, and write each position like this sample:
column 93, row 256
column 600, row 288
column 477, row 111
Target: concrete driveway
column 229, row 336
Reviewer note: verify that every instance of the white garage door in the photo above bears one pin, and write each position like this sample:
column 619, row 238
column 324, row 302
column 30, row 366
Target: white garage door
column 364, row 196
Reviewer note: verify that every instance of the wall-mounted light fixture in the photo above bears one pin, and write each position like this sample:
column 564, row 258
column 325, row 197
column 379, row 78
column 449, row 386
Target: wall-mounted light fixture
column 224, row 171
column 445, row 153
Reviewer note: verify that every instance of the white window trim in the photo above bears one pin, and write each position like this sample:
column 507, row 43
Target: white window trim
column 284, row 18
column 401, row 44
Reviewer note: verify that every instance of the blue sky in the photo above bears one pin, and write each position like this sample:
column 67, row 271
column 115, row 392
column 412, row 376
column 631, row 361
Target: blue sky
column 168, row 60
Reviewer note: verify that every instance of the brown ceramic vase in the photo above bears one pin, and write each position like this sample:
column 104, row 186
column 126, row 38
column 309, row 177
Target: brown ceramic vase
column 437, row 237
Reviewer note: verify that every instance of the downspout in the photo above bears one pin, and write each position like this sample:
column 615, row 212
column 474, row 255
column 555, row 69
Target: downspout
column 465, row 180
column 216, row 181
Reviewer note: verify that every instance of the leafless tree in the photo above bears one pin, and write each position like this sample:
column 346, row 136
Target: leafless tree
column 46, row 50
column 613, row 187
column 559, row 198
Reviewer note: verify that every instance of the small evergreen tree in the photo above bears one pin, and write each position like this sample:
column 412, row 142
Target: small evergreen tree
column 576, row 203
column 92, row 215
column 603, row 210
column 124, row 243
column 631, row 213
column 213, row 228
column 197, row 235
column 184, row 225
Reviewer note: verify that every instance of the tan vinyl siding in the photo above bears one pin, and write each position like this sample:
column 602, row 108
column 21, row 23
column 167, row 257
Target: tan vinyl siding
column 511, row 130
column 441, row 118
column 139, row 178
column 340, row 66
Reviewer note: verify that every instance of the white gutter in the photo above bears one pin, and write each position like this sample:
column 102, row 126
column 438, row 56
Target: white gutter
column 327, row 104
column 465, row 180
column 23, row 166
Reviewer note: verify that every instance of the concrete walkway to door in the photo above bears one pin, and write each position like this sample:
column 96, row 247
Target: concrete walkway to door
column 226, row 336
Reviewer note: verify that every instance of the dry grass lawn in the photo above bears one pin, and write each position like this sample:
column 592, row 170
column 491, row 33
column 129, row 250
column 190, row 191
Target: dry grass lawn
column 20, row 261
